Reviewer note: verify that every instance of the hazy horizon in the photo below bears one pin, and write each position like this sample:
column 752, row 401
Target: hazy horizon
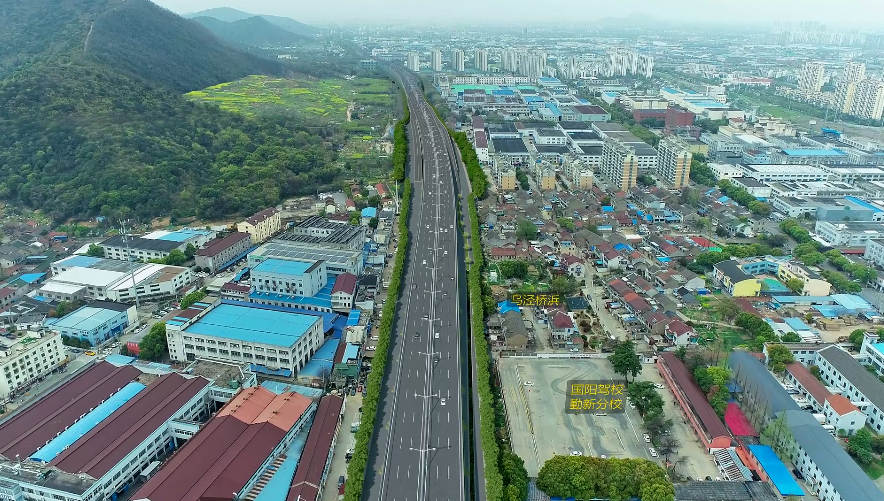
column 844, row 14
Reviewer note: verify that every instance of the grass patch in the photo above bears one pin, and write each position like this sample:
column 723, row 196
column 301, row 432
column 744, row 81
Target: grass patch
column 874, row 470
column 323, row 101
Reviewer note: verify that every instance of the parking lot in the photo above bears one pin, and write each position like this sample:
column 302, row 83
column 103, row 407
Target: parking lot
column 541, row 428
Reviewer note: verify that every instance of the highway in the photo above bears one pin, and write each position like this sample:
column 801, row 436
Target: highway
column 418, row 452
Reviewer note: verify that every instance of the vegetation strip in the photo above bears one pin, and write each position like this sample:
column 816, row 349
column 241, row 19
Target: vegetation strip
column 400, row 143
column 359, row 461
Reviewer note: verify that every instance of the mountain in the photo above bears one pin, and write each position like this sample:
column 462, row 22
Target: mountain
column 134, row 36
column 229, row 15
column 254, row 30
column 225, row 14
column 93, row 120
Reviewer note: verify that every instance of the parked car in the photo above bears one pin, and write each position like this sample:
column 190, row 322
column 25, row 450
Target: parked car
column 653, row 452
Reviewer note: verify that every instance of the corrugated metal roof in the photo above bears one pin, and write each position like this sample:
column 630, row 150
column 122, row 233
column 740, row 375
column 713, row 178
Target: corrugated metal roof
column 117, row 436
column 751, row 374
column 308, row 476
column 259, row 405
column 30, row 429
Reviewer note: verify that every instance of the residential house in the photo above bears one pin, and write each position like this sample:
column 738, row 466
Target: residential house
column 561, row 326
column 573, row 265
column 679, row 333
column 344, row 292
column 513, row 331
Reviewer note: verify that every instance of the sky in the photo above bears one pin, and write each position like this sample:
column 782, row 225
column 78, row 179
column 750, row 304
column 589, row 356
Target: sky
column 835, row 13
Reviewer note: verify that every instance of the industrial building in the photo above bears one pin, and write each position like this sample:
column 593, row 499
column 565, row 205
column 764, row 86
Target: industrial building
column 336, row 261
column 827, row 469
column 849, row 234
column 156, row 245
column 276, row 339
column 312, row 472
column 27, row 358
column 93, row 437
column 223, row 252
column 319, row 232
column 95, row 323
column 229, row 456
column 85, row 277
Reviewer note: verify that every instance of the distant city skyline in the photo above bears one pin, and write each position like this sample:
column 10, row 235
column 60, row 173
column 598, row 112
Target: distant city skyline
column 842, row 14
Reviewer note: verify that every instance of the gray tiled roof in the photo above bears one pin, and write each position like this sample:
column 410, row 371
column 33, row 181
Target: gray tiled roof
column 846, row 477
column 724, row 491
column 853, row 371
column 755, row 379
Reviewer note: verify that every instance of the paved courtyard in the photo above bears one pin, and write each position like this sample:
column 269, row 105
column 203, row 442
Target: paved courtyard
column 541, row 428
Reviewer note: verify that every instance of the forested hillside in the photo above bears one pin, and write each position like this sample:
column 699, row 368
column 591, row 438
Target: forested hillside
column 93, row 120
column 80, row 140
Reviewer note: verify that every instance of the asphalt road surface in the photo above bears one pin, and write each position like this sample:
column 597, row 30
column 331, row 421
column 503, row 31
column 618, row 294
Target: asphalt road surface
column 418, row 451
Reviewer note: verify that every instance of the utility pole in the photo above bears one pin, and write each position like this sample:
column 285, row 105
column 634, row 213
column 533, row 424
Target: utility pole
column 132, row 269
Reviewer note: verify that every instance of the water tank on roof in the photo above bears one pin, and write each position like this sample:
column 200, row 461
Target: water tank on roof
column 234, row 384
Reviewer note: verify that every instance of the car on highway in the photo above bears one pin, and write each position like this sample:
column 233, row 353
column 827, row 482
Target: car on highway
column 442, row 401
column 90, row 353
column 437, row 335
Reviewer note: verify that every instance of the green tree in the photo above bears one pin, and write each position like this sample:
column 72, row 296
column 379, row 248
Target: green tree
column 95, row 251
column 681, row 353
column 566, row 223
column 790, row 337
column 856, row 337
column 373, row 223
column 374, row 201
column 728, row 308
column 625, row 360
column 779, row 357
column 175, row 258
column 189, row 251
column 154, row 345
column 515, row 477
column 795, row 285
column 860, row 446
column 815, row 370
column 513, row 269
column 526, row 230
column 355, row 218
column 192, row 297
column 645, row 397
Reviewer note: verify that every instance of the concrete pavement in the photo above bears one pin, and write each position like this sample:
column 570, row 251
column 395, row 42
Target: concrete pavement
column 346, row 440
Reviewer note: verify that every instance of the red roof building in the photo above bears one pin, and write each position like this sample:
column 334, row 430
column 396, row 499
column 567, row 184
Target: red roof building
column 31, row 429
column 381, row 189
column 108, row 443
column 221, row 458
column 344, row 291
column 702, row 417
column 309, row 477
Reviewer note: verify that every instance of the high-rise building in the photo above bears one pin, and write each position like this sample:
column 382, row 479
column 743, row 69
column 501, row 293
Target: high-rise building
column 413, row 62
column 674, row 161
column 811, row 77
column 845, row 90
column 457, row 60
column 628, row 62
column 436, row 60
column 868, row 99
column 481, row 60
column 619, row 164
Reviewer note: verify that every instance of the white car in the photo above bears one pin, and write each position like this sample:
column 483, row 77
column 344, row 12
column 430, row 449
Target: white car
column 529, row 383
column 647, row 438
column 659, row 386
column 631, row 405
column 603, row 456
column 653, row 452
column 576, row 453
column 442, row 401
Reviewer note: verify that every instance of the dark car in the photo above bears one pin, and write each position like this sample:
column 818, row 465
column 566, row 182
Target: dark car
column 798, row 474
column 340, row 481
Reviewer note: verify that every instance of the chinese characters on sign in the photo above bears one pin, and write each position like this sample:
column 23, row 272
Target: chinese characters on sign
column 536, row 299
column 595, row 396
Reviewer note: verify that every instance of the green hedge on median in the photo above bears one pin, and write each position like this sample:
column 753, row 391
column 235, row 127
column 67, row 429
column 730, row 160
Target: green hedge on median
column 400, row 143
column 356, row 469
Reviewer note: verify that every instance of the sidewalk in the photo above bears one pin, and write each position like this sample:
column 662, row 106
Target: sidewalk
column 346, row 440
